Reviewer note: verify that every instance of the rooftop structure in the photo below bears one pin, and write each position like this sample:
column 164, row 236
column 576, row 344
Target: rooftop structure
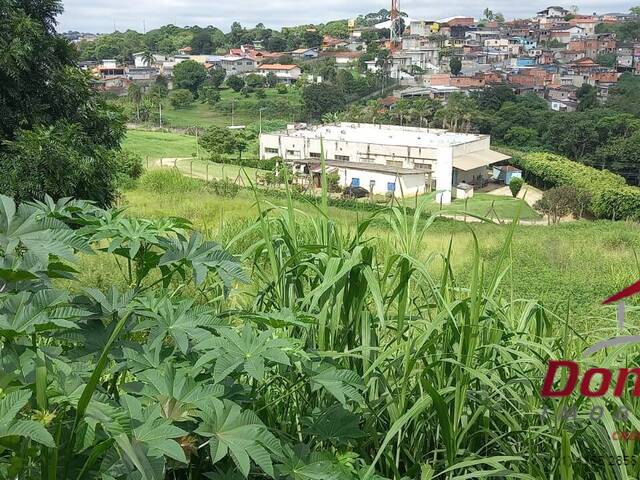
column 392, row 151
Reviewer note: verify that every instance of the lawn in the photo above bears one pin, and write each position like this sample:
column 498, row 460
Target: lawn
column 154, row 145
column 281, row 107
column 492, row 206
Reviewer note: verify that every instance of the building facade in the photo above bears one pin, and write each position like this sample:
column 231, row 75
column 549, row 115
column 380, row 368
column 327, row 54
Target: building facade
column 391, row 151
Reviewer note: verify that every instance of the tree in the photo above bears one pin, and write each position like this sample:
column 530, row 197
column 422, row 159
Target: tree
column 455, row 65
column 148, row 58
column 635, row 10
column 53, row 126
column 253, row 80
column 606, row 59
column 216, row 77
column 180, row 98
column 272, row 79
column 134, row 92
column 587, row 97
column 515, row 185
column 558, row 202
column 321, row 98
column 488, row 14
column 189, row 75
column 209, row 94
column 219, row 141
column 235, row 82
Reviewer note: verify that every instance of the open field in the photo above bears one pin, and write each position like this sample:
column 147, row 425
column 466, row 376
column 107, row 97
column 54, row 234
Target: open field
column 155, row 145
column 570, row 267
column 236, row 109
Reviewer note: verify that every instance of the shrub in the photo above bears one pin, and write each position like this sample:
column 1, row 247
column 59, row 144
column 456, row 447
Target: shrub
column 129, row 164
column 558, row 202
column 224, row 188
column 180, row 98
column 235, row 82
column 169, row 181
column 610, row 196
column 515, row 185
column 281, row 89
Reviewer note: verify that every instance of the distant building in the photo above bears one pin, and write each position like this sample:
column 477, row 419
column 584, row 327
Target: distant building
column 284, row 73
column 237, row 65
column 387, row 158
column 305, row 54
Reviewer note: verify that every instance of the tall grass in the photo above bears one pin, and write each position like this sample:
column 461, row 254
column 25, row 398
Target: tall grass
column 451, row 368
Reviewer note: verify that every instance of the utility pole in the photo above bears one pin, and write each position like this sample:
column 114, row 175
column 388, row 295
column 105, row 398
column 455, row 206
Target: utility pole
column 160, row 113
column 233, row 107
column 263, row 108
column 197, row 144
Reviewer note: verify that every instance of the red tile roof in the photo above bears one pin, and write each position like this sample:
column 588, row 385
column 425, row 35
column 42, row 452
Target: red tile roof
column 276, row 66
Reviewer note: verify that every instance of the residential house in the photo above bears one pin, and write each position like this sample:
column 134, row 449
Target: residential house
column 343, row 58
column 304, row 54
column 284, row 73
column 586, row 22
column 238, row 65
column 624, row 57
column 329, row 42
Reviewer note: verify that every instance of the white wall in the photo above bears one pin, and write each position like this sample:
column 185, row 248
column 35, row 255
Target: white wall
column 407, row 185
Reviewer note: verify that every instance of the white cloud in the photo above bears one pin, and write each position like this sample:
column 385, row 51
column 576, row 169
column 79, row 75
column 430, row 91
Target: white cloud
column 102, row 15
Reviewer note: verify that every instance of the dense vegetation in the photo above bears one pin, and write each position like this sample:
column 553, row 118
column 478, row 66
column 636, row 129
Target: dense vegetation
column 604, row 136
column 606, row 194
column 308, row 355
column 56, row 136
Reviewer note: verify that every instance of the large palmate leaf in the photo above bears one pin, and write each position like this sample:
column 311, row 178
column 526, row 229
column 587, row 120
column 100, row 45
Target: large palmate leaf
column 334, row 424
column 10, row 406
column 151, row 428
column 32, row 245
column 239, row 434
column 248, row 350
column 25, row 313
column 177, row 393
column 180, row 322
column 202, row 257
column 342, row 384
column 299, row 464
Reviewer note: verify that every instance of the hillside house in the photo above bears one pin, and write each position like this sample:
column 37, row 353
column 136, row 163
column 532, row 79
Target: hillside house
column 284, row 73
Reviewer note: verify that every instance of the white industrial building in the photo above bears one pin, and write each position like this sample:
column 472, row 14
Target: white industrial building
column 387, row 158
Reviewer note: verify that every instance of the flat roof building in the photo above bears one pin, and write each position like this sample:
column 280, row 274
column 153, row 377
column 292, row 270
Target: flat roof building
column 392, row 151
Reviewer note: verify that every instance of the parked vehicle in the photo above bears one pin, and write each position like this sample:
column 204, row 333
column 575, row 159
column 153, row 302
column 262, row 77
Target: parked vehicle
column 355, row 192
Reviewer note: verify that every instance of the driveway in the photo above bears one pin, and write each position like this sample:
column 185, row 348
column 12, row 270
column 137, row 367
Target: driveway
column 528, row 193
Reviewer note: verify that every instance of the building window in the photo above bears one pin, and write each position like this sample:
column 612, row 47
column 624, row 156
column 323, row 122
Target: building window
column 394, row 163
column 422, row 166
column 314, row 155
column 271, row 150
column 342, row 158
column 291, row 152
column 391, row 186
column 355, row 182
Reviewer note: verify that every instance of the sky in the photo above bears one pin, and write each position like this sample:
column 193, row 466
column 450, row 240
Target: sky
column 100, row 16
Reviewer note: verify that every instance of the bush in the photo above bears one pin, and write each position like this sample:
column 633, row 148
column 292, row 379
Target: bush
column 610, row 196
column 129, row 164
column 515, row 185
column 180, row 98
column 235, row 82
column 558, row 202
column 224, row 188
column 281, row 89
column 169, row 181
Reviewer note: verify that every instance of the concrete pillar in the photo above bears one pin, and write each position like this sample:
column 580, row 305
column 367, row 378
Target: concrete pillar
column 444, row 173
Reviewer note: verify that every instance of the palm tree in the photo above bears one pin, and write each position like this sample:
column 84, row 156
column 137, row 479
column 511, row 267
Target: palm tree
column 148, row 58
column 135, row 95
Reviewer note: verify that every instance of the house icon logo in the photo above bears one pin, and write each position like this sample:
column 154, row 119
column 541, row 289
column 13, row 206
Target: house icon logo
column 623, row 340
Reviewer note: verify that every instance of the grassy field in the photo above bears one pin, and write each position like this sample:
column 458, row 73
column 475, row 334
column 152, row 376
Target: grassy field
column 154, row 145
column 571, row 267
column 276, row 106
column 486, row 205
